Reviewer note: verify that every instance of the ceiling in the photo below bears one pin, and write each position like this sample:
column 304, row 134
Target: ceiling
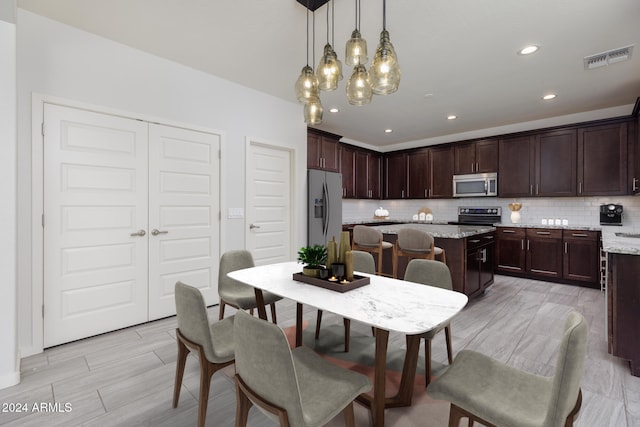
column 457, row 57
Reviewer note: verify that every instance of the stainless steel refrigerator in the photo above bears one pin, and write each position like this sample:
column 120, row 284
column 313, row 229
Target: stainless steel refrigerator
column 324, row 206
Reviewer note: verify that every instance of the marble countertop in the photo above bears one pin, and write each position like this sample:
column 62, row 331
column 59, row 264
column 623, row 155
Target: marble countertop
column 619, row 244
column 553, row 227
column 439, row 230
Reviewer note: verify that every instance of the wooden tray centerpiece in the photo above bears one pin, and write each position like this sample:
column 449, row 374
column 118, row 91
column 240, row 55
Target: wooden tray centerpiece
column 334, row 285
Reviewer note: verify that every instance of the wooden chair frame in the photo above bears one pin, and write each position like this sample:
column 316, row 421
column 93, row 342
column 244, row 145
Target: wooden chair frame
column 207, row 369
column 224, row 303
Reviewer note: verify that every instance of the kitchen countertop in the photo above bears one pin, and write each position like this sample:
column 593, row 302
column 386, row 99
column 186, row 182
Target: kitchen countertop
column 618, row 244
column 438, row 230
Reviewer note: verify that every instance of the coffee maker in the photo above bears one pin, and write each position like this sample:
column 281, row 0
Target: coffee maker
column 610, row 214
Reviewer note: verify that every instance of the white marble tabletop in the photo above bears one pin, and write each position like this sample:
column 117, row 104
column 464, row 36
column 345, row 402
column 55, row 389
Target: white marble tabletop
column 386, row 303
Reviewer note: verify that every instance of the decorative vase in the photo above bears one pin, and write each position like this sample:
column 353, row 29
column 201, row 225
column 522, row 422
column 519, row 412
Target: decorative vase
column 348, row 266
column 515, row 217
column 311, row 272
column 332, row 252
column 345, row 245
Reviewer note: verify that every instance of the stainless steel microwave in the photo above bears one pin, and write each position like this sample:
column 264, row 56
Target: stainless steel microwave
column 475, row 185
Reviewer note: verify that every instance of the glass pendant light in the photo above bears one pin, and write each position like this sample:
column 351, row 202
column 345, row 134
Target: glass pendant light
column 385, row 71
column 306, row 86
column 329, row 68
column 356, row 48
column 359, row 87
column 313, row 111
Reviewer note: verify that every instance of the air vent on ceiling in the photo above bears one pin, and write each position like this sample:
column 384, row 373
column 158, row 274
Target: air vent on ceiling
column 608, row 58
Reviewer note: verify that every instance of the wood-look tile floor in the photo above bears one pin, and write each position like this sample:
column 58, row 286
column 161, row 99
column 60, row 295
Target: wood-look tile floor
column 125, row 378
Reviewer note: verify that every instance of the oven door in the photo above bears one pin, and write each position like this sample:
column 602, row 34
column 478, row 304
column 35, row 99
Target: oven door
column 475, row 185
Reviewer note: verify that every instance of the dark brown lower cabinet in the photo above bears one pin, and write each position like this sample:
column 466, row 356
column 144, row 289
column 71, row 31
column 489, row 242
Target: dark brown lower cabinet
column 479, row 274
column 581, row 255
column 510, row 249
column 623, row 300
column 544, row 252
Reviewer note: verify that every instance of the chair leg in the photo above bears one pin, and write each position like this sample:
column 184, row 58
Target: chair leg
column 380, row 262
column 206, row 372
column 394, row 257
column 183, row 352
column 447, row 336
column 347, row 334
column 221, row 311
column 455, row 415
column 572, row 415
column 427, row 362
column 273, row 313
column 349, row 417
column 243, row 404
column 318, row 322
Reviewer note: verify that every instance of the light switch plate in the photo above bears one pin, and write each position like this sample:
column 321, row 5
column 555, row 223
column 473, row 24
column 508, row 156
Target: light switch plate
column 234, row 213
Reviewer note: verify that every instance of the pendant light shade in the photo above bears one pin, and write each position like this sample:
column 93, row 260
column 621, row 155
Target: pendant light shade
column 356, row 50
column 313, row 111
column 385, row 72
column 329, row 70
column 359, row 87
column 306, row 86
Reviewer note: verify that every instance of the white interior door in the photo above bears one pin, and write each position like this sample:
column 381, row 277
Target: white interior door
column 184, row 222
column 268, row 203
column 95, row 202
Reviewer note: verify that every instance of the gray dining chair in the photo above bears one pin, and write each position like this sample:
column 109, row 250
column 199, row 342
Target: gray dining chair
column 296, row 387
column 492, row 393
column 432, row 273
column 237, row 294
column 212, row 342
column 362, row 262
column 370, row 240
column 413, row 243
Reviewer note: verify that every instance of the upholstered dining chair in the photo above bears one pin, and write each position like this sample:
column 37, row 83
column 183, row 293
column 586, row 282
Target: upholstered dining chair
column 413, row 243
column 362, row 262
column 212, row 342
column 296, row 387
column 236, row 294
column 370, row 240
column 432, row 273
column 487, row 391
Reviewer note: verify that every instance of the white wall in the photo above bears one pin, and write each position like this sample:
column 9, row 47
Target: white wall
column 60, row 61
column 9, row 363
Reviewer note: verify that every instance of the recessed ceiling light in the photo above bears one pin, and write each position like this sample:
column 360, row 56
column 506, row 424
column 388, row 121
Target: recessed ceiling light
column 333, row 110
column 388, row 130
column 528, row 50
column 452, row 117
column 549, row 96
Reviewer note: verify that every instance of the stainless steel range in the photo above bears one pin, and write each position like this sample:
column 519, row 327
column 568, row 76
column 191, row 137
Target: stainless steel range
column 478, row 215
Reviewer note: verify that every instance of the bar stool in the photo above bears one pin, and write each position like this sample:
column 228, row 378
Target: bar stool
column 370, row 240
column 413, row 243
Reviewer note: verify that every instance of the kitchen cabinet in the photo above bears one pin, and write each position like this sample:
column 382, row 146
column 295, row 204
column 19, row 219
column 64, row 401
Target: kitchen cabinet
column 476, row 157
column 581, row 255
column 602, row 160
column 440, row 166
column 395, row 175
column 348, row 171
column 622, row 302
column 367, row 175
column 555, row 163
column 418, row 181
column 479, row 253
column 515, row 166
column 510, row 250
column 544, row 252
column 323, row 151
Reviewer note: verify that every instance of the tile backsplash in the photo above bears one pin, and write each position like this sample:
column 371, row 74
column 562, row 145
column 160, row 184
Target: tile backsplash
column 584, row 211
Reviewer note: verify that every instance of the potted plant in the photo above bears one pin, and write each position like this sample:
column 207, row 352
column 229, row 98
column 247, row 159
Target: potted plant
column 314, row 258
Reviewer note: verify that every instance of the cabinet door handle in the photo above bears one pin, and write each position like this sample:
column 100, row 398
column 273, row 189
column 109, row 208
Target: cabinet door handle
column 566, row 244
column 537, row 189
column 425, row 193
column 488, row 237
column 528, row 241
column 579, row 235
column 473, row 165
column 403, row 194
column 522, row 244
column 543, row 233
column 531, row 189
column 635, row 184
column 580, row 187
column 474, row 241
column 508, row 231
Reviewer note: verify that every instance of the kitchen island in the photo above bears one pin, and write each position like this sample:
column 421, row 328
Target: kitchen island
column 469, row 251
column 622, row 248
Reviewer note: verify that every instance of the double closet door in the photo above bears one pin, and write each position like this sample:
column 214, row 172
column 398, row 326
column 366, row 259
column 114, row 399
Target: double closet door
column 130, row 207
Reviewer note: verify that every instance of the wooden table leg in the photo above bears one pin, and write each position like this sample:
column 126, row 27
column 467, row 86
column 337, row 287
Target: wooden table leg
column 298, row 325
column 405, row 392
column 262, row 312
column 379, row 381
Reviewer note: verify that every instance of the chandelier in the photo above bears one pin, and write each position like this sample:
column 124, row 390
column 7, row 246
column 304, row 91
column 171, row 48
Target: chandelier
column 382, row 78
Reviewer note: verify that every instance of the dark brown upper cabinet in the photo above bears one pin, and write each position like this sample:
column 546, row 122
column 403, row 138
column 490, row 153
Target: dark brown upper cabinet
column 418, row 174
column 516, row 166
column 602, row 160
column 441, row 161
column 323, row 151
column 395, row 176
column 348, row 170
column 476, row 157
column 555, row 163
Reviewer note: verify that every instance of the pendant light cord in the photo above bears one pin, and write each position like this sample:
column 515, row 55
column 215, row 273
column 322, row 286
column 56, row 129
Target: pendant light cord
column 307, row 33
column 384, row 15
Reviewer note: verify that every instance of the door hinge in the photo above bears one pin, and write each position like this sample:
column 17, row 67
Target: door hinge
column 42, row 220
column 42, row 128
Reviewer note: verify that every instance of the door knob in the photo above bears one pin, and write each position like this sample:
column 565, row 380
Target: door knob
column 155, row 231
column 252, row 226
column 139, row 233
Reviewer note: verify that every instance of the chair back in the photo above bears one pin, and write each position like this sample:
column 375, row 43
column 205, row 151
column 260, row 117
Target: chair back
column 429, row 272
column 232, row 261
column 364, row 262
column 410, row 239
column 193, row 320
column 265, row 364
column 569, row 369
column 366, row 236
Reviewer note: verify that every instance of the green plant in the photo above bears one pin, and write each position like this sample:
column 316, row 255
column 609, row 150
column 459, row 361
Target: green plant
column 313, row 256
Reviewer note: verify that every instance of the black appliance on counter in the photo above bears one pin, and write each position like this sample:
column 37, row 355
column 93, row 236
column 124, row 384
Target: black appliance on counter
column 610, row 214
column 478, row 215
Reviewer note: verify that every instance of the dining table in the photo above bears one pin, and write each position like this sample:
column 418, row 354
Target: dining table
column 386, row 304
